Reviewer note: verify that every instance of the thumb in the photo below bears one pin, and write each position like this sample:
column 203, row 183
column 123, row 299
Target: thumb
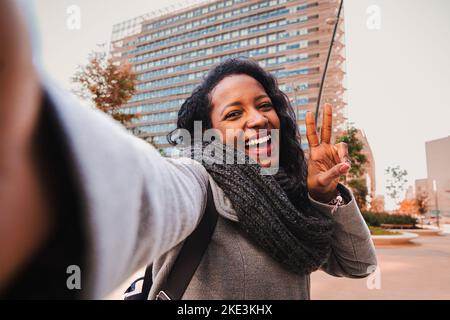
column 334, row 173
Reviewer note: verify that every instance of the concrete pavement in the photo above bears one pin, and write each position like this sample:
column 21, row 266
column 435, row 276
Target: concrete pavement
column 420, row 270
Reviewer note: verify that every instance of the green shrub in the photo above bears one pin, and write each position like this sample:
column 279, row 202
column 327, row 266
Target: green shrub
column 377, row 219
column 376, row 231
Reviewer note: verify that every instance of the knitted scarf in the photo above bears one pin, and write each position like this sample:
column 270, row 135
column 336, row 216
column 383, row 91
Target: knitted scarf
column 272, row 210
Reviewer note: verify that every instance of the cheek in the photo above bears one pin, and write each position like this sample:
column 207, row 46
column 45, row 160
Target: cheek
column 274, row 120
column 227, row 133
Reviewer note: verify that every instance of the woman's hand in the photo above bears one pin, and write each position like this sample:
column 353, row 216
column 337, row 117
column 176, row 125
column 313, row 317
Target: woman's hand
column 327, row 162
column 24, row 212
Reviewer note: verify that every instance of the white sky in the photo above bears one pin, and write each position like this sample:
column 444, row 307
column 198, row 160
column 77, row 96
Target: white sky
column 398, row 76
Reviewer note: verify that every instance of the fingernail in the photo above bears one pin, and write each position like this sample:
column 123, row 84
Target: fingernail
column 344, row 168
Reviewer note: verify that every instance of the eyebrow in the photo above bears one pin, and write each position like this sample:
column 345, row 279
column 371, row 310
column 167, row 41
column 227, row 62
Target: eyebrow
column 238, row 103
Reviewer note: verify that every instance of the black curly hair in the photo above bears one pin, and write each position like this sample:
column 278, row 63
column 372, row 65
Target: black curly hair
column 198, row 108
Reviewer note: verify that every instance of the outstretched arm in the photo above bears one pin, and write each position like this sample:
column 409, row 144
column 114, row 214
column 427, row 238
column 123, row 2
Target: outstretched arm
column 133, row 204
column 24, row 225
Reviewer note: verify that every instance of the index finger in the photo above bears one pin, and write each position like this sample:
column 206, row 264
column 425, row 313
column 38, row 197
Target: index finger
column 327, row 125
column 311, row 133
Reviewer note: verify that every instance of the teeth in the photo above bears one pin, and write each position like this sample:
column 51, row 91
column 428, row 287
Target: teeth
column 258, row 141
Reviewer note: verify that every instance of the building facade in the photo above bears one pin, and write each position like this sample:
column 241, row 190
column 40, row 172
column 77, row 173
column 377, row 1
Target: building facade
column 438, row 162
column 369, row 166
column 436, row 187
column 172, row 51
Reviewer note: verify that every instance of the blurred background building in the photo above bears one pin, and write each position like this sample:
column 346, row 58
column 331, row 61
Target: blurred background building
column 369, row 176
column 437, row 184
column 172, row 50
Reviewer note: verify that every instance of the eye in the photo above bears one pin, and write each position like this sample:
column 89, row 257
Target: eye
column 266, row 106
column 232, row 114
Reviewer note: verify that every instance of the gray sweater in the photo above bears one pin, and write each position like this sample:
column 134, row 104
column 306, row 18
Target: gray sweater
column 234, row 268
column 140, row 207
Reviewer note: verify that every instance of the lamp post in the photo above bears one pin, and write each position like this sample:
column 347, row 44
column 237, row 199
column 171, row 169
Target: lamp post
column 335, row 22
column 435, row 189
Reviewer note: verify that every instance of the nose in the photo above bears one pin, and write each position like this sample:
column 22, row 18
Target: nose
column 257, row 120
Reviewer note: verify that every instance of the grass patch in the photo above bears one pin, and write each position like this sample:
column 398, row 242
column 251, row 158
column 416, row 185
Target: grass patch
column 377, row 231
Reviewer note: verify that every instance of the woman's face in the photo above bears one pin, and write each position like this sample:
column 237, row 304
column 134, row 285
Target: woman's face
column 240, row 104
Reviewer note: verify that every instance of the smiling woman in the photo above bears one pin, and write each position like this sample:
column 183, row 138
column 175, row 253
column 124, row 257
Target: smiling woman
column 250, row 111
column 63, row 203
column 267, row 224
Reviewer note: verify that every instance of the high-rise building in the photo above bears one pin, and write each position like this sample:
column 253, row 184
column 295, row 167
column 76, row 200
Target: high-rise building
column 172, row 50
column 438, row 159
column 436, row 188
column 370, row 164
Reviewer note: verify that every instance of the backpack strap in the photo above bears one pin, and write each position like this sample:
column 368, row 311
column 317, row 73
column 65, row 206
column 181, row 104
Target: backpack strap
column 187, row 261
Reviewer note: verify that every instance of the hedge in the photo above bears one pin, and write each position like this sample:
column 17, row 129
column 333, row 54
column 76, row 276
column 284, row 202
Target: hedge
column 377, row 219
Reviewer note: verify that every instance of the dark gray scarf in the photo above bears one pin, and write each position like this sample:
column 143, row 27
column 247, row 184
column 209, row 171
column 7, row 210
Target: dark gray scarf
column 273, row 210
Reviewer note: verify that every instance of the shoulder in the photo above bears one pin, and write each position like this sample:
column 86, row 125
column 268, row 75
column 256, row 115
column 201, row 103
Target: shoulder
column 193, row 167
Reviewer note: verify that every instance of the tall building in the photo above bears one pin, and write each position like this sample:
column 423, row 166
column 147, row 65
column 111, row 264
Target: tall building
column 438, row 162
column 172, row 50
column 437, row 185
column 370, row 164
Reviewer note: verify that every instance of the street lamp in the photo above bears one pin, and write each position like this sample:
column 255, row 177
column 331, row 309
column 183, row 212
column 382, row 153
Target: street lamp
column 435, row 189
column 335, row 22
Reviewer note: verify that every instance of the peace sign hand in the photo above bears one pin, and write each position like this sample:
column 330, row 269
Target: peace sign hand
column 327, row 162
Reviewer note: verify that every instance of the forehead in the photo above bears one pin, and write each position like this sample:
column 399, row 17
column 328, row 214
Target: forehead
column 235, row 87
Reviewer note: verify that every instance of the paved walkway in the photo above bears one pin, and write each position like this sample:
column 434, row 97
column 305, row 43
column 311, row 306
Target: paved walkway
column 420, row 270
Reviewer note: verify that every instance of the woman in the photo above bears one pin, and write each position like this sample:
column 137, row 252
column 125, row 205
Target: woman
column 279, row 225
column 99, row 199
